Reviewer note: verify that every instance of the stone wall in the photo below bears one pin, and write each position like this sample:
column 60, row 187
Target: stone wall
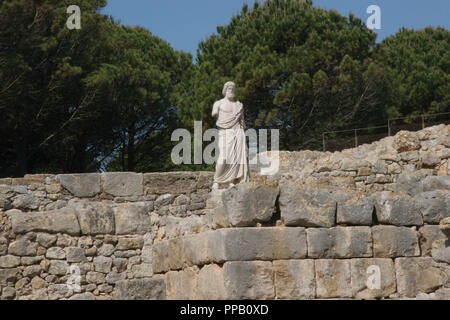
column 98, row 226
column 322, row 228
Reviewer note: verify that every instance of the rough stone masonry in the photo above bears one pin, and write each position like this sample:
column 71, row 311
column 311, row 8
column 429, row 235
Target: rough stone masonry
column 315, row 230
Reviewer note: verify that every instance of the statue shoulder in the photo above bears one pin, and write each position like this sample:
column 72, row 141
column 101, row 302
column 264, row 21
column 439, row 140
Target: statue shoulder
column 218, row 102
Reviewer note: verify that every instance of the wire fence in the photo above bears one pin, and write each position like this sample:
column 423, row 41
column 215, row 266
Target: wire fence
column 344, row 139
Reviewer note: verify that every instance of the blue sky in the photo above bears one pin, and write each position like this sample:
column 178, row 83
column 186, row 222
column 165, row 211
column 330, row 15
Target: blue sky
column 185, row 23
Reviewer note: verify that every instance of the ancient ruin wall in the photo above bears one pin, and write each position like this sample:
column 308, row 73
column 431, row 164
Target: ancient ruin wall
column 318, row 229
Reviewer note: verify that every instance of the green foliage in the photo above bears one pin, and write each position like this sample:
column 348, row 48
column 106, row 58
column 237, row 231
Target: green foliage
column 418, row 65
column 298, row 68
column 108, row 97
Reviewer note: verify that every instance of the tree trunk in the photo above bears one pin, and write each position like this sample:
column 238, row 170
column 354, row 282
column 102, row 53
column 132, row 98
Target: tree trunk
column 131, row 150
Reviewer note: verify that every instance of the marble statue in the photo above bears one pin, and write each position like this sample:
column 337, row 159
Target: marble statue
column 232, row 162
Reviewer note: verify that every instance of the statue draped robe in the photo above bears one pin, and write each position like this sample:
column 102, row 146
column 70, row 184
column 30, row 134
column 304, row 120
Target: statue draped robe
column 232, row 162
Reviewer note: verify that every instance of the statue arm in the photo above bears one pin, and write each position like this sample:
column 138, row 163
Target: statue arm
column 215, row 111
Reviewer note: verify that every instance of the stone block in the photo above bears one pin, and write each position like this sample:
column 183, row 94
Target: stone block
column 140, row 289
column 102, row 264
column 396, row 209
column 160, row 256
column 23, row 247
column 9, row 261
column 123, row 184
column 432, row 183
column 81, row 185
column 143, row 270
column 417, row 275
column 391, row 242
column 249, row 280
column 434, row 205
column 130, row 243
column 333, row 278
column 353, row 208
column 372, row 278
column 8, row 275
column 427, row 235
column 132, row 219
column 294, row 279
column 411, row 182
column 170, row 182
column 175, row 250
column 246, row 244
column 248, row 203
column 63, row 221
column 94, row 217
column 307, row 207
column 441, row 251
column 339, row 242
column 75, row 254
column 55, row 253
column 58, row 268
column 26, row 202
column 210, row 283
column 182, row 285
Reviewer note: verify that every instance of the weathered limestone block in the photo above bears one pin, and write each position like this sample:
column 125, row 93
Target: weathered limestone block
column 160, row 257
column 170, row 182
column 55, row 253
column 140, row 289
column 441, row 250
column 415, row 275
column 59, row 291
column 333, row 278
column 64, row 221
column 132, row 219
column 102, row 264
column 247, row 203
column 46, row 240
column 406, row 141
column 432, row 183
column 210, row 283
column 23, row 247
column 58, row 267
column 251, row 280
column 307, row 207
column 294, row 279
column 175, row 250
column 247, row 244
column 444, row 226
column 26, row 202
column 434, row 205
column 427, row 235
column 411, row 182
column 83, row 296
column 391, row 242
column 397, row 209
column 182, row 285
column 7, row 275
column 81, row 185
column 123, row 184
column 196, row 249
column 9, row 261
column 94, row 217
column 130, row 243
column 372, row 278
column 75, row 254
column 353, row 208
column 143, row 270
column 339, row 242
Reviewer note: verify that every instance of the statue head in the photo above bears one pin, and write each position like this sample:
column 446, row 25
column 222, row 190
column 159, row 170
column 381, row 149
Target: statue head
column 228, row 90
